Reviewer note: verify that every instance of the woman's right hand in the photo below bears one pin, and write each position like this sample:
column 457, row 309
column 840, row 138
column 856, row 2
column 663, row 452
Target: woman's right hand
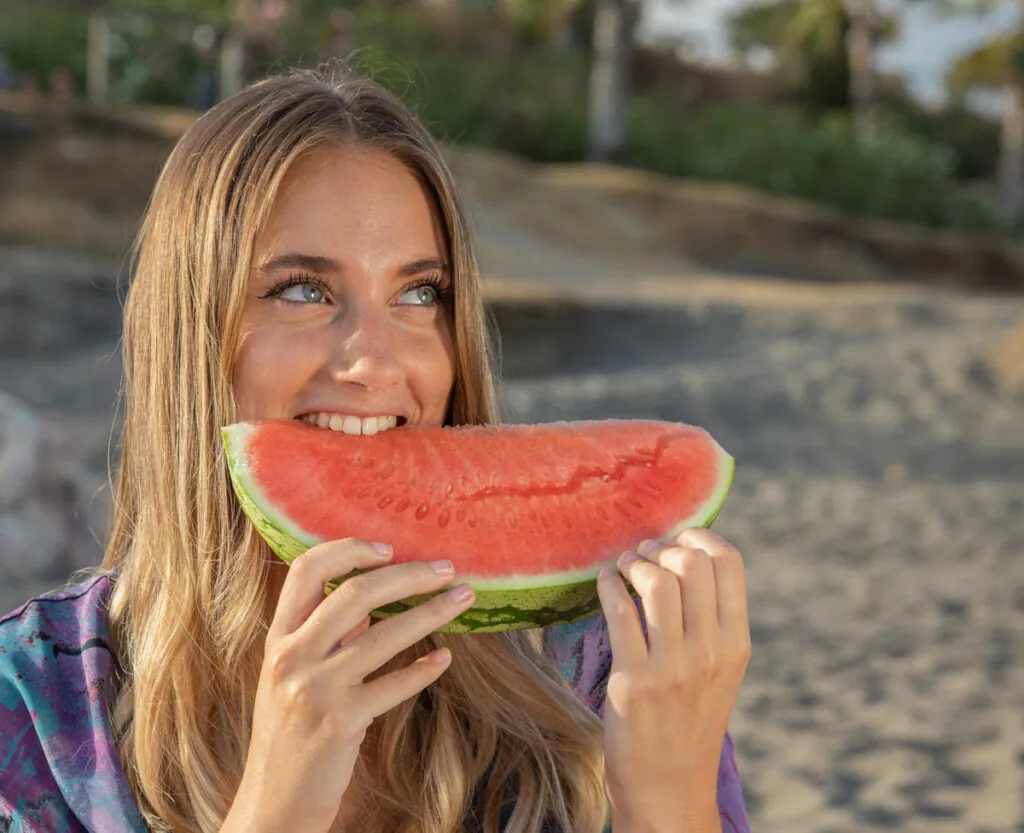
column 312, row 707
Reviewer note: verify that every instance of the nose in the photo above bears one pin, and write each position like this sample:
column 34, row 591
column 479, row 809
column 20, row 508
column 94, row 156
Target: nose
column 363, row 351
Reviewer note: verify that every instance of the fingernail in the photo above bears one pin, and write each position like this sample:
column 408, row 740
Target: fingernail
column 606, row 573
column 442, row 568
column 382, row 549
column 460, row 594
column 647, row 547
column 442, row 656
column 628, row 557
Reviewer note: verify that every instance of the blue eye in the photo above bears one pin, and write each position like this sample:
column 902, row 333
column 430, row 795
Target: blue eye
column 423, row 295
column 303, row 293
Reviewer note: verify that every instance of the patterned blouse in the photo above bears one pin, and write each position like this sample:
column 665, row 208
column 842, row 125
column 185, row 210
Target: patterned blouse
column 59, row 767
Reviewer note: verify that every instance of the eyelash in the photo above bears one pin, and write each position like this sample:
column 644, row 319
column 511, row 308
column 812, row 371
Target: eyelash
column 296, row 280
column 433, row 281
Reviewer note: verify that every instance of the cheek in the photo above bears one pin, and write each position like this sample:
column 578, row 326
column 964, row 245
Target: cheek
column 430, row 369
column 269, row 371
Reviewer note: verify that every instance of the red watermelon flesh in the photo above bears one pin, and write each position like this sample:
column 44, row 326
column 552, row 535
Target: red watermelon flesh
column 525, row 512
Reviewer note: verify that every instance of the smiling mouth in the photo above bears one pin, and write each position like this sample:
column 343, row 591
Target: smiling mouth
column 350, row 424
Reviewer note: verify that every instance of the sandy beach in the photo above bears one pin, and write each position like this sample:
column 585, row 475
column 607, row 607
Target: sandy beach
column 879, row 496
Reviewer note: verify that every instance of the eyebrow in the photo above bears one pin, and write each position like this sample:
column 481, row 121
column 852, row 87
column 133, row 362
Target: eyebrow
column 319, row 265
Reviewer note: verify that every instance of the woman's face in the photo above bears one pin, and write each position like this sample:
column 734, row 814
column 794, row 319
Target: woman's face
column 346, row 320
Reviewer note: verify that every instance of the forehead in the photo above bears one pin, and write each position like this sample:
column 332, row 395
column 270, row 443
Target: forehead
column 351, row 197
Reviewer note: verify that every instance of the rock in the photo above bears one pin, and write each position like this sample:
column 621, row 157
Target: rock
column 51, row 505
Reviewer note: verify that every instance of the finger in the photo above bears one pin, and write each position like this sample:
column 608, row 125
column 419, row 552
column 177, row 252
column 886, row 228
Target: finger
column 357, row 596
column 629, row 645
column 696, row 576
column 358, row 630
column 386, row 692
column 730, row 579
column 303, row 588
column 381, row 642
column 663, row 606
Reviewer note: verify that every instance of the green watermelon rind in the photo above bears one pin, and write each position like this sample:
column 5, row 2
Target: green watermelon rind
column 518, row 604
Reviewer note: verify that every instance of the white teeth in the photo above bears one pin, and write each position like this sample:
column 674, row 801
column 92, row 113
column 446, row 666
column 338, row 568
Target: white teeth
column 349, row 424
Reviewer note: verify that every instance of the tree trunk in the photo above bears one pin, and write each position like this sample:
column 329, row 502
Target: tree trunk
column 614, row 23
column 1011, row 157
column 1011, row 160
column 860, row 47
column 98, row 60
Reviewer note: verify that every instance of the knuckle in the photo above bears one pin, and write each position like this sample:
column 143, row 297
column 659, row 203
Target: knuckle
column 303, row 564
column 382, row 633
column 281, row 660
column 708, row 659
column 684, row 559
column 663, row 583
column 356, row 588
column 730, row 556
column 743, row 649
column 694, row 536
column 300, row 692
column 628, row 692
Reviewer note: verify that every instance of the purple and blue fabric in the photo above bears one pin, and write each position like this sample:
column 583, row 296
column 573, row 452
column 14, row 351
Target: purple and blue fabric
column 59, row 767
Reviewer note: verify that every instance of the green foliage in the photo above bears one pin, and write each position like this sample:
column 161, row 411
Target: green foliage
column 31, row 53
column 807, row 41
column 151, row 60
column 471, row 82
column 897, row 175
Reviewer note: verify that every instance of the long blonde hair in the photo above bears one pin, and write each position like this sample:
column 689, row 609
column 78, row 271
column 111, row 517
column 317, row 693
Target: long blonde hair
column 189, row 608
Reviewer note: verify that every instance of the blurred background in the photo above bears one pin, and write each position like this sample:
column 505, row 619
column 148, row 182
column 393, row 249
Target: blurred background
column 796, row 223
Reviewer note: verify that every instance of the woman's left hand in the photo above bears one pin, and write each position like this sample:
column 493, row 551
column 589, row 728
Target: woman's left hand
column 670, row 695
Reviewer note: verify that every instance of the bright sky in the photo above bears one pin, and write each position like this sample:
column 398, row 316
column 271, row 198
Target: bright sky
column 927, row 45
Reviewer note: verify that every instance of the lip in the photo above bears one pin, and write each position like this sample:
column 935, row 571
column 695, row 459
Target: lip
column 362, row 413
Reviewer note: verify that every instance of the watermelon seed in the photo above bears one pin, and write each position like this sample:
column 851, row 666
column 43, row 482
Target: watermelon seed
column 363, row 492
column 602, row 514
column 460, row 514
column 384, row 502
column 512, row 521
column 622, row 509
column 422, row 511
column 402, row 505
column 442, row 519
column 635, row 502
column 566, row 521
column 472, row 519
column 605, row 478
column 448, row 489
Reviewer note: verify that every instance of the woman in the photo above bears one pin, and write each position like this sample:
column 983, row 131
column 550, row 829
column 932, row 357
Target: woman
column 305, row 255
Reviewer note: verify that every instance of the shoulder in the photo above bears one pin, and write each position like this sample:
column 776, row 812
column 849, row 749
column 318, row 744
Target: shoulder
column 49, row 636
column 55, row 671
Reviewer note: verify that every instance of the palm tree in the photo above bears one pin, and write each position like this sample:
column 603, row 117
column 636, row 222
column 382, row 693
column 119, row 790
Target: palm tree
column 614, row 28
column 999, row 65
column 861, row 16
column 825, row 46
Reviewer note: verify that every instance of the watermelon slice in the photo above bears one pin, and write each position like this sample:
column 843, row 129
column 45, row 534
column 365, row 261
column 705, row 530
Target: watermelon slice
column 528, row 513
